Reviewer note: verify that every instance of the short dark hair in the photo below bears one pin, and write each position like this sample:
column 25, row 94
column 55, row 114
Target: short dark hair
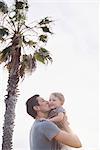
column 31, row 102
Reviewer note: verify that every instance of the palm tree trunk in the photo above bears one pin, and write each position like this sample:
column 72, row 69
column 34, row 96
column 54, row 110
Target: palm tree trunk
column 10, row 101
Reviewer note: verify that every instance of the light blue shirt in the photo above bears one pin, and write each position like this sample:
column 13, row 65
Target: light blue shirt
column 42, row 134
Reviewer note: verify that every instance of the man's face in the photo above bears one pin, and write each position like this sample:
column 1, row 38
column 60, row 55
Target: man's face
column 43, row 105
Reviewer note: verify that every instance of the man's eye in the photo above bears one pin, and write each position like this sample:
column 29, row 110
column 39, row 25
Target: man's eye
column 54, row 100
column 43, row 100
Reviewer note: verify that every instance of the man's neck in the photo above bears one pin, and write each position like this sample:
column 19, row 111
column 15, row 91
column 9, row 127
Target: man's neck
column 42, row 115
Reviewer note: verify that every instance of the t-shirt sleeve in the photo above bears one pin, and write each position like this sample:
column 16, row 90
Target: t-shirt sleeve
column 50, row 130
column 61, row 109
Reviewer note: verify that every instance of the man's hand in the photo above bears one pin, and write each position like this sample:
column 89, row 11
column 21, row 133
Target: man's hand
column 65, row 125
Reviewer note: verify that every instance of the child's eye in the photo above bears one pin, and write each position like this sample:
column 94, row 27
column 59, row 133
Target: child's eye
column 52, row 100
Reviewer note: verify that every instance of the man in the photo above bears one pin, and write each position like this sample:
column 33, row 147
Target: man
column 45, row 134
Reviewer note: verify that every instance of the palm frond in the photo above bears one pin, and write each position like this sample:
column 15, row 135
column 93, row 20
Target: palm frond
column 30, row 43
column 28, row 64
column 21, row 8
column 3, row 32
column 39, row 57
column 3, row 7
column 21, row 5
column 42, row 55
column 46, row 29
column 45, row 53
column 43, row 38
column 5, row 54
column 45, row 21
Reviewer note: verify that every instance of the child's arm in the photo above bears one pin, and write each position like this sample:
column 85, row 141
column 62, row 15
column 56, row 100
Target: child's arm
column 57, row 118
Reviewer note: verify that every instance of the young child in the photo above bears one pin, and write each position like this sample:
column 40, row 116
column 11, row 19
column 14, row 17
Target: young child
column 58, row 113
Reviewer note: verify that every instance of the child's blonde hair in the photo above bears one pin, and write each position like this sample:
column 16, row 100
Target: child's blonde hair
column 60, row 96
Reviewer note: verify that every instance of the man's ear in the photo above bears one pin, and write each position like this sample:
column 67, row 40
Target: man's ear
column 36, row 108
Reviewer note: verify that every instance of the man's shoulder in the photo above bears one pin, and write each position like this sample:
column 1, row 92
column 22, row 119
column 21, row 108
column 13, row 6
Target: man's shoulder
column 46, row 124
column 43, row 122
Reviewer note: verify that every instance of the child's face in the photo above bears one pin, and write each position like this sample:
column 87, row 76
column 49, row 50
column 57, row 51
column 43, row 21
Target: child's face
column 54, row 102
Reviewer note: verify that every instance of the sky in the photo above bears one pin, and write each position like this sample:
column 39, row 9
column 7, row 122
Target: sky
column 74, row 71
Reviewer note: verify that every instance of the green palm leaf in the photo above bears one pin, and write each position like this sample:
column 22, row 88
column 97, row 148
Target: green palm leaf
column 3, row 7
column 28, row 64
column 19, row 5
column 46, row 29
column 3, row 32
column 5, row 54
column 43, row 38
column 42, row 55
column 39, row 57
column 30, row 43
column 44, row 21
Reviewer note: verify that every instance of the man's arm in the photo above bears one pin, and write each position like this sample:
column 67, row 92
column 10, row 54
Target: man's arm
column 69, row 139
column 51, row 131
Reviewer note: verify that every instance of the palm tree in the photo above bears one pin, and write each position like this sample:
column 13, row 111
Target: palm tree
column 23, row 47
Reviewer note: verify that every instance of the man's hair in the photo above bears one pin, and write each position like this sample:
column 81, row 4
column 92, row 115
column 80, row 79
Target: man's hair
column 59, row 95
column 31, row 102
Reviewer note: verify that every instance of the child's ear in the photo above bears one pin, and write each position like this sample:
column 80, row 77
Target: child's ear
column 36, row 108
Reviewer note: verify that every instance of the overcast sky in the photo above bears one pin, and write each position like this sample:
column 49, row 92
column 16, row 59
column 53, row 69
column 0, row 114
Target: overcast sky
column 74, row 71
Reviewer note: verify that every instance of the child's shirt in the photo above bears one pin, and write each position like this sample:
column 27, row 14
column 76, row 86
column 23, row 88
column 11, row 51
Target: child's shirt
column 54, row 112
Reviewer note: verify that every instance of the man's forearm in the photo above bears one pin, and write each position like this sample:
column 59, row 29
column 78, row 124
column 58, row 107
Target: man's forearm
column 68, row 129
column 69, row 139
